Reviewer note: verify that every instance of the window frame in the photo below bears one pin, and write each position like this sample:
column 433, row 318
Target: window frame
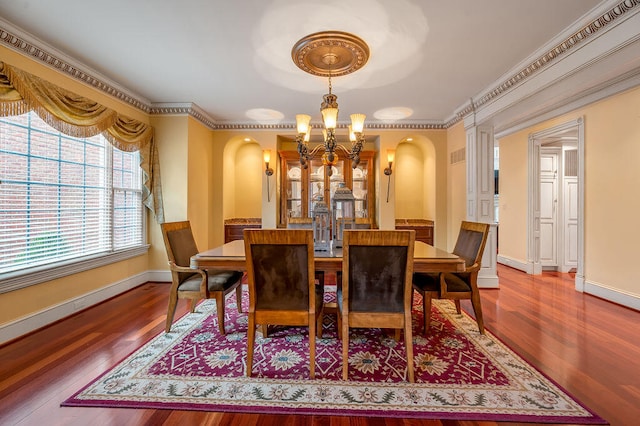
column 25, row 277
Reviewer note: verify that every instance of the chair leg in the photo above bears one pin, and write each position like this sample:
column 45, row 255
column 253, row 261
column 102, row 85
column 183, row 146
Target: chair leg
column 426, row 311
column 345, row 349
column 477, row 309
column 251, row 336
column 171, row 311
column 239, row 297
column 192, row 305
column 265, row 330
column 319, row 321
column 339, row 324
column 408, row 341
column 312, row 346
column 457, row 302
column 220, row 308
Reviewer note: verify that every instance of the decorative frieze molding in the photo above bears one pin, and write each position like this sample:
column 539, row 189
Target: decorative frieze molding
column 560, row 50
column 19, row 41
column 190, row 109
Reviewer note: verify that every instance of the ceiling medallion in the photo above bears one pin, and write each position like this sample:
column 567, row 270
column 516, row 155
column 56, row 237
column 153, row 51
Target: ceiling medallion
column 330, row 54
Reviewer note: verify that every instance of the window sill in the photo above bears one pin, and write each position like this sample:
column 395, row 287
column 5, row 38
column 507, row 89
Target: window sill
column 28, row 277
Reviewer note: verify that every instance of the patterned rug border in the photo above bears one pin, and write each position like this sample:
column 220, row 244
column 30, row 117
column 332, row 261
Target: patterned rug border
column 206, row 309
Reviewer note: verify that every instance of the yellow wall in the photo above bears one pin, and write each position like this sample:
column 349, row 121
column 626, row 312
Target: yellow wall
column 513, row 196
column 201, row 210
column 249, row 169
column 410, row 182
column 612, row 176
column 36, row 298
column 457, row 181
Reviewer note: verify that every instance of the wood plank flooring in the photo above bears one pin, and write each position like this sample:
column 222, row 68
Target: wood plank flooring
column 591, row 347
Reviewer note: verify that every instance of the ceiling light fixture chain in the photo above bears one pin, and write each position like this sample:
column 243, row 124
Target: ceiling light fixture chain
column 327, row 54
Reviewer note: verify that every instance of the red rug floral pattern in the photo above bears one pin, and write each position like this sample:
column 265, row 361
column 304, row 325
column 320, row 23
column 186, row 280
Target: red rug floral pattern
column 460, row 374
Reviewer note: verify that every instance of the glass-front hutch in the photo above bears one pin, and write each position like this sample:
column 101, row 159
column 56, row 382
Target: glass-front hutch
column 302, row 188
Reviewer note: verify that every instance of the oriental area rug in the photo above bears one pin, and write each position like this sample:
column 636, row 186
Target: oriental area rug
column 460, row 374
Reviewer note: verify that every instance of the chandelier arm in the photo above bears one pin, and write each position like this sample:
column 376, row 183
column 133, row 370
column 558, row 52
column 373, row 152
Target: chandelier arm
column 315, row 150
column 343, row 149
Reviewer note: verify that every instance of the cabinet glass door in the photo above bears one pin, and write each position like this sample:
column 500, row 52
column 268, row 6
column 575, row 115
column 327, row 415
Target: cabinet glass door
column 322, row 186
column 360, row 189
column 293, row 189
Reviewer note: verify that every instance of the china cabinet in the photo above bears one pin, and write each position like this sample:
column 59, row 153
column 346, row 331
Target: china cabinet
column 423, row 228
column 233, row 228
column 301, row 188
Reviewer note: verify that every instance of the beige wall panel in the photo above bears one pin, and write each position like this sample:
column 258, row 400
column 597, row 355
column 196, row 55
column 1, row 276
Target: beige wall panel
column 612, row 205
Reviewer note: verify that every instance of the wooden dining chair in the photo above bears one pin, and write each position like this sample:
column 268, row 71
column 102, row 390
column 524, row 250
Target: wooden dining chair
column 282, row 289
column 195, row 284
column 375, row 289
column 456, row 286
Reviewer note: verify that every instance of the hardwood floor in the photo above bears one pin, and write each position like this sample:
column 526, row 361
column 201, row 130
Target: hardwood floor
column 591, row 347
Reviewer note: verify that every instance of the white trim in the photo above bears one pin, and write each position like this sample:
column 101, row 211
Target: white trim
column 613, row 87
column 533, row 209
column 612, row 295
column 515, row 264
column 69, row 307
column 488, row 282
column 159, row 276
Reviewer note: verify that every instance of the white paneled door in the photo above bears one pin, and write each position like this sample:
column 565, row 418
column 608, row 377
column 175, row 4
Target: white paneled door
column 549, row 161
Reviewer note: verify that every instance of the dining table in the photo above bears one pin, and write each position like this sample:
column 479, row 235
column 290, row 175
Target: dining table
column 426, row 258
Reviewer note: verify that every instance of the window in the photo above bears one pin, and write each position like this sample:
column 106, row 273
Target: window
column 64, row 199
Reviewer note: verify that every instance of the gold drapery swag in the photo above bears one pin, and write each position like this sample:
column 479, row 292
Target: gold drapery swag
column 75, row 115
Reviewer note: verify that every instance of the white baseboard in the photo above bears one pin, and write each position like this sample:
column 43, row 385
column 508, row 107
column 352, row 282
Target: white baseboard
column 613, row 295
column 159, row 276
column 488, row 282
column 47, row 316
column 514, row 263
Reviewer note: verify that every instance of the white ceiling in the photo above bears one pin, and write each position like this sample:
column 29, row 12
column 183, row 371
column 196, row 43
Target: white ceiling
column 233, row 57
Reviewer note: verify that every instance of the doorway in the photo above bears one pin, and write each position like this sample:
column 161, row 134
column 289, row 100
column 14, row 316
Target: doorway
column 556, row 200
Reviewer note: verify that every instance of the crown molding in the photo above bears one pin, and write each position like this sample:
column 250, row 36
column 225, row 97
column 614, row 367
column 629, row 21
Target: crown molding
column 597, row 23
column 601, row 19
column 30, row 46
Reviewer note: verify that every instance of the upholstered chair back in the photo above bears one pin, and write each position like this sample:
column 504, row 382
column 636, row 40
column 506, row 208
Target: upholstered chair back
column 281, row 276
column 377, row 278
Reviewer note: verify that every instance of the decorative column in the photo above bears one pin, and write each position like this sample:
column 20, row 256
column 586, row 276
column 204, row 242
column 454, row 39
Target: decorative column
column 480, row 193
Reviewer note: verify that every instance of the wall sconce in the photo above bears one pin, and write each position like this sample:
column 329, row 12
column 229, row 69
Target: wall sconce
column 391, row 154
column 267, row 170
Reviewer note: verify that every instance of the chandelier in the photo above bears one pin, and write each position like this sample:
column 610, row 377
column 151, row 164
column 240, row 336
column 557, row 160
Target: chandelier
column 330, row 54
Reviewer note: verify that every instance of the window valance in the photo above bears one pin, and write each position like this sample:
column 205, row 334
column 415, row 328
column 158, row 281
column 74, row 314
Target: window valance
column 21, row 92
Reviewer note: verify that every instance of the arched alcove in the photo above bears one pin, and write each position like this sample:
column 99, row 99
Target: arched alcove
column 415, row 179
column 243, row 170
